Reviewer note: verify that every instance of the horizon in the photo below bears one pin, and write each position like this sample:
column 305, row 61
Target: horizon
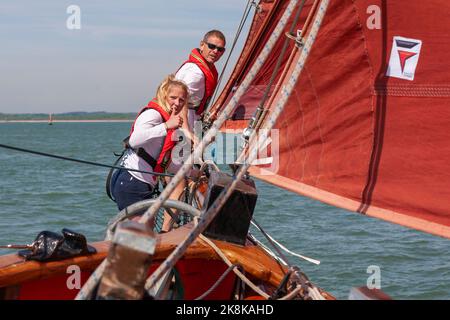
column 55, row 59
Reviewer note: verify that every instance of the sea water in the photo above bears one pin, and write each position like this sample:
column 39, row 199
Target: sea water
column 39, row 193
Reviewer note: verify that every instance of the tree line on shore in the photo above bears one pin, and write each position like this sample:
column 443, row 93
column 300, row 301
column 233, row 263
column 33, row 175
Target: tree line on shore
column 68, row 116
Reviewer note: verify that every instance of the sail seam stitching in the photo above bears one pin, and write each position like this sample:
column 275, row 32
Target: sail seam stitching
column 372, row 73
column 412, row 91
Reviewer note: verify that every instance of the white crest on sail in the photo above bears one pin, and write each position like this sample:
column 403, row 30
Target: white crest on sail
column 404, row 58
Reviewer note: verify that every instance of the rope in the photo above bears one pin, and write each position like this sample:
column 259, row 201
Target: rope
column 253, row 122
column 86, row 291
column 210, row 163
column 209, row 215
column 82, row 161
column 291, row 295
column 236, row 37
column 130, row 211
column 214, row 286
column 283, row 51
column 138, row 208
column 314, row 292
column 193, row 185
column 273, row 241
column 270, row 252
column 286, row 90
column 237, row 272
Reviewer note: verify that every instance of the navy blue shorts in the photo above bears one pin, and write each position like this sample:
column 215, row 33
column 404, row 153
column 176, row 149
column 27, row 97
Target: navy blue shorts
column 127, row 190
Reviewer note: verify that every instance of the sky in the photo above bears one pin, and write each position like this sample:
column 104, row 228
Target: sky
column 109, row 57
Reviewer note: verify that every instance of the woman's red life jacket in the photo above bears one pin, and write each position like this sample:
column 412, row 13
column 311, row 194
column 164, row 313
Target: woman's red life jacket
column 164, row 156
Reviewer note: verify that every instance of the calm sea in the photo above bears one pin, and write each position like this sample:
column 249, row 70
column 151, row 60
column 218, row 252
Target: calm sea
column 38, row 193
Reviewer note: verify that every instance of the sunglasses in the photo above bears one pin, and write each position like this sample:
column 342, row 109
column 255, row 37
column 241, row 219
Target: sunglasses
column 213, row 47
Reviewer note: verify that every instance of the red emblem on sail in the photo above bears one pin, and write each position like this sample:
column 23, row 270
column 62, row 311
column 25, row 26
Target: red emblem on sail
column 405, row 55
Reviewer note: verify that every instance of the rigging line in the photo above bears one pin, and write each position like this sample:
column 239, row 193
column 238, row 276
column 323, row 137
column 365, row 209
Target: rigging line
column 241, row 275
column 251, row 284
column 266, row 248
column 282, row 256
column 91, row 284
column 219, row 281
column 286, row 249
column 287, row 89
column 259, row 110
column 82, row 161
column 283, row 51
column 298, row 44
column 236, row 37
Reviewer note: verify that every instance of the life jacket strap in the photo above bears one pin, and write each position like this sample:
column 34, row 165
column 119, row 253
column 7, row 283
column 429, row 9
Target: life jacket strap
column 141, row 153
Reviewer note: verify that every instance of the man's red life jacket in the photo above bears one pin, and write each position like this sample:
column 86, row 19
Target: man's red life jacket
column 159, row 164
column 210, row 74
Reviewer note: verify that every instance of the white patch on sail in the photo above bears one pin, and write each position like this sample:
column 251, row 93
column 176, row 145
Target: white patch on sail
column 268, row 160
column 264, row 156
column 404, row 58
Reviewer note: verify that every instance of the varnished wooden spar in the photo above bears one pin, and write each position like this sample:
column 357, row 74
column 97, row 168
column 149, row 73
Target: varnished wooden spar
column 15, row 272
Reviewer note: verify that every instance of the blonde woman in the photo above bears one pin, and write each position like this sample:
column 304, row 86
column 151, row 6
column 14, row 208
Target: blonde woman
column 152, row 139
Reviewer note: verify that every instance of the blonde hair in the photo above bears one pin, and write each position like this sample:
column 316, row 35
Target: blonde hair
column 163, row 91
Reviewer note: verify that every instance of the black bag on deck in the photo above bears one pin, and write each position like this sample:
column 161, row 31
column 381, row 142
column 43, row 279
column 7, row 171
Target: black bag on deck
column 51, row 246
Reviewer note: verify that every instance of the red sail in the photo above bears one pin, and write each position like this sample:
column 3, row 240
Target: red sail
column 367, row 127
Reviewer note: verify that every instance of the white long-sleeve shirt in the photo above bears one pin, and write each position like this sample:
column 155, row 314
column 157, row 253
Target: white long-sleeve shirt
column 149, row 133
column 194, row 78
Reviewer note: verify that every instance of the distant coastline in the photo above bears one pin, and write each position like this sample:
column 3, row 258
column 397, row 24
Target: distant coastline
column 67, row 117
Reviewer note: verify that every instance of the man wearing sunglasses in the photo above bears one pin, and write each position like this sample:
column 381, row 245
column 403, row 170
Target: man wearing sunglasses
column 200, row 74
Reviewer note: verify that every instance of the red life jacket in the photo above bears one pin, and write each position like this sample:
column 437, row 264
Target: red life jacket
column 164, row 156
column 210, row 73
